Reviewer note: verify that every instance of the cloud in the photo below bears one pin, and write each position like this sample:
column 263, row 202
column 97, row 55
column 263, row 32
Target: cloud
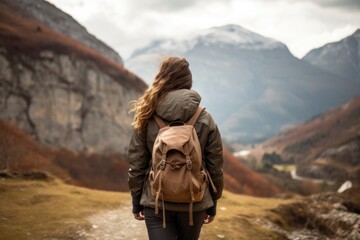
column 348, row 4
column 353, row 5
column 300, row 24
column 171, row 6
column 163, row 5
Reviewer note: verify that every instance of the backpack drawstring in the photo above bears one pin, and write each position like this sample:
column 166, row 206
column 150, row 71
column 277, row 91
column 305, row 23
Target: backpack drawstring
column 211, row 181
column 158, row 193
column 189, row 167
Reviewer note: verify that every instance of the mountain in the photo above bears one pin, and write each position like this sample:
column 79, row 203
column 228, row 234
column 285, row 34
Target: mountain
column 54, row 18
column 64, row 110
column 325, row 147
column 61, row 92
column 341, row 58
column 253, row 85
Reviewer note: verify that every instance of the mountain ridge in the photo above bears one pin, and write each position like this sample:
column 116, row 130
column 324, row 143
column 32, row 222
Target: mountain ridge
column 252, row 93
column 228, row 34
column 341, row 58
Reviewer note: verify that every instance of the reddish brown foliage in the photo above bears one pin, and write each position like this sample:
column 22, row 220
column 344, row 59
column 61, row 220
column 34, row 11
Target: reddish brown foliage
column 240, row 178
column 106, row 172
column 330, row 129
column 20, row 153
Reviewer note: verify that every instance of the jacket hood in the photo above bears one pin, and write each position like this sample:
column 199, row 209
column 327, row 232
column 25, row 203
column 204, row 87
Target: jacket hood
column 178, row 105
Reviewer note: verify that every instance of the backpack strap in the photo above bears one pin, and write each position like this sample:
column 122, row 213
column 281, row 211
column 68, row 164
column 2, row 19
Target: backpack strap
column 159, row 121
column 196, row 116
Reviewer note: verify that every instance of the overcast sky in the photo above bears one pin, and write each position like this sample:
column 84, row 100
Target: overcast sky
column 302, row 25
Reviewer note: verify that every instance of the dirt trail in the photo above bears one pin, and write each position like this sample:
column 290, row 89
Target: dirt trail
column 117, row 224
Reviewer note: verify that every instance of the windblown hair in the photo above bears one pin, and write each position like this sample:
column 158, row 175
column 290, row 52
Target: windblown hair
column 174, row 74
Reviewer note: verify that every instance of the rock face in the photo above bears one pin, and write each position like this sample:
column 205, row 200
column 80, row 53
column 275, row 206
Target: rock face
column 61, row 22
column 65, row 102
column 63, row 93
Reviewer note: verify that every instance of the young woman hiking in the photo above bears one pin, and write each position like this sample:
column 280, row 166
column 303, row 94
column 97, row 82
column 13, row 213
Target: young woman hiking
column 170, row 98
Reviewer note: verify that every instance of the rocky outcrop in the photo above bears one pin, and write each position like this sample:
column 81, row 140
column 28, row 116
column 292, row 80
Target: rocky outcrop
column 61, row 22
column 65, row 102
column 339, row 163
column 63, row 93
column 331, row 215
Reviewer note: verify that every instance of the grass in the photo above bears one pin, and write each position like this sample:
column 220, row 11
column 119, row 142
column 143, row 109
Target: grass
column 244, row 217
column 284, row 167
column 33, row 209
column 50, row 209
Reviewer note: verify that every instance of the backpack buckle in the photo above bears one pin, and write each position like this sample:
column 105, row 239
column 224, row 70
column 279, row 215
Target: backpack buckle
column 162, row 164
column 189, row 164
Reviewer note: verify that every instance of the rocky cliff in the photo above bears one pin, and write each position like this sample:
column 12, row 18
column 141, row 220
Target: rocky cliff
column 60, row 91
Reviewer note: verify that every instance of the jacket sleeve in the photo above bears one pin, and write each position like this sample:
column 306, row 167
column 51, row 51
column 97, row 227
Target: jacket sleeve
column 139, row 159
column 214, row 159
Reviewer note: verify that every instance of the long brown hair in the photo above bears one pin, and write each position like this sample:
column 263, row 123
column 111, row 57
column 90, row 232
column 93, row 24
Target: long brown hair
column 174, row 74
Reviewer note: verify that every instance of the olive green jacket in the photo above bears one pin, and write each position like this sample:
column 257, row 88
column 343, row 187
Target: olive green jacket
column 178, row 105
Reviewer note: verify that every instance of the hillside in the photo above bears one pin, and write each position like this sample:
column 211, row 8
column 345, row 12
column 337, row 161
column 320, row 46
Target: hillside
column 19, row 153
column 68, row 211
column 239, row 178
column 38, row 206
column 61, row 92
column 253, row 86
column 326, row 147
column 341, row 58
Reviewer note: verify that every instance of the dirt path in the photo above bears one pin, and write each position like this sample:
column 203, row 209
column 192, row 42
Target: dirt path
column 115, row 224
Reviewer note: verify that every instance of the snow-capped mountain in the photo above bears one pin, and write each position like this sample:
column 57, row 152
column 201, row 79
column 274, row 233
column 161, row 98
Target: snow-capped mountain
column 231, row 35
column 251, row 84
column 341, row 58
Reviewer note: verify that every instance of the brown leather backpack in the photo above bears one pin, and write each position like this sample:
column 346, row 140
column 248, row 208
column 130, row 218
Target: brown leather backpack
column 177, row 173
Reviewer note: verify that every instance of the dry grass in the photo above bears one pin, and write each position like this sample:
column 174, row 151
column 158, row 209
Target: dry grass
column 33, row 209
column 244, row 217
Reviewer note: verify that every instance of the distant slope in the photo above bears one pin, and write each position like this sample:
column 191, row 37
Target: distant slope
column 253, row 85
column 341, row 58
column 240, row 178
column 327, row 146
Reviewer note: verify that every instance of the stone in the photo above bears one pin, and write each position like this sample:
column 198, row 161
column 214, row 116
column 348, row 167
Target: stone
column 65, row 101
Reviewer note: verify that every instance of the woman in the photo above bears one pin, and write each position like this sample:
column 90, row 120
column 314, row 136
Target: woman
column 171, row 98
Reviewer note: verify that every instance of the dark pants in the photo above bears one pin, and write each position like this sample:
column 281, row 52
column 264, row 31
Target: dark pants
column 177, row 225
